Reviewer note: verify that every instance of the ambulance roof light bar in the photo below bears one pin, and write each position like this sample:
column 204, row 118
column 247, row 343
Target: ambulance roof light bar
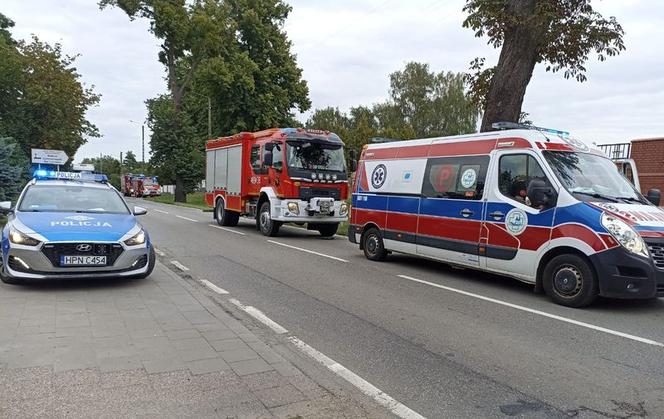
column 514, row 125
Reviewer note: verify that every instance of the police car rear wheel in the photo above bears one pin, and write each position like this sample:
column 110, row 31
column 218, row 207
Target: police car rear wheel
column 569, row 280
column 372, row 244
column 267, row 225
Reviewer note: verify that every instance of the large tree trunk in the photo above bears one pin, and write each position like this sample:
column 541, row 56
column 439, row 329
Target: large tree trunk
column 515, row 66
column 180, row 196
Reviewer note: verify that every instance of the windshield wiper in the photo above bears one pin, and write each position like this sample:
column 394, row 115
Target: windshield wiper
column 629, row 198
column 596, row 195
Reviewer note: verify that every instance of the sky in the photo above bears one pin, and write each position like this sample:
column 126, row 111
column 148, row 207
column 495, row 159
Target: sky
column 347, row 49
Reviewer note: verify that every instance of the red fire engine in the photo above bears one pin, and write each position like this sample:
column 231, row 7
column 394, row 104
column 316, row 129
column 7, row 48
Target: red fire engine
column 140, row 185
column 277, row 176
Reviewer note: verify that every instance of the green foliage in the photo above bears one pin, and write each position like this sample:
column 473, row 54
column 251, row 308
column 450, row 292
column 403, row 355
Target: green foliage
column 422, row 104
column 42, row 99
column 564, row 34
column 108, row 165
column 13, row 169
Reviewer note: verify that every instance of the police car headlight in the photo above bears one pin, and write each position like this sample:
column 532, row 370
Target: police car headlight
column 137, row 239
column 17, row 237
column 343, row 209
column 625, row 235
column 294, row 207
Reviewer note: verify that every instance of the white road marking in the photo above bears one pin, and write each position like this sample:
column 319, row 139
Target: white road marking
column 261, row 317
column 228, row 229
column 158, row 210
column 366, row 387
column 308, row 251
column 159, row 252
column 179, row 265
column 188, row 219
column 539, row 313
column 213, row 287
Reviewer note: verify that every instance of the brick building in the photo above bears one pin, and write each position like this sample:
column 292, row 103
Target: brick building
column 648, row 153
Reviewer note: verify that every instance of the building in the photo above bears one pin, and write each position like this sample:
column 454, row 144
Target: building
column 648, row 153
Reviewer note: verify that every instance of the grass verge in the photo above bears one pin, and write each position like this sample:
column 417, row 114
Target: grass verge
column 194, row 200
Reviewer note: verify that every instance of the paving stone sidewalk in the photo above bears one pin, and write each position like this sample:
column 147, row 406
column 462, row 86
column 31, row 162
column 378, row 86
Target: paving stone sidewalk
column 158, row 347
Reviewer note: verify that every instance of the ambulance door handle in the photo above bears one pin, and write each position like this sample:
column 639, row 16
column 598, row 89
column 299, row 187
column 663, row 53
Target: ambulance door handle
column 496, row 215
column 467, row 213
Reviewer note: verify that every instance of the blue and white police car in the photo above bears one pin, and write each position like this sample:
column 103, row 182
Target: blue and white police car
column 73, row 225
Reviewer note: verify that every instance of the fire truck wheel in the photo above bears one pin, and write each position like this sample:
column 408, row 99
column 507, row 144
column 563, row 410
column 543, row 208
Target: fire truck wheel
column 225, row 217
column 267, row 226
column 372, row 243
column 570, row 281
column 327, row 230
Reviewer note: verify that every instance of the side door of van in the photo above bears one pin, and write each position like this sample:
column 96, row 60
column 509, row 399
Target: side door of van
column 515, row 227
column 451, row 208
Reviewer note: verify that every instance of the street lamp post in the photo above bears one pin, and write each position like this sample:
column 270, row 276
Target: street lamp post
column 142, row 140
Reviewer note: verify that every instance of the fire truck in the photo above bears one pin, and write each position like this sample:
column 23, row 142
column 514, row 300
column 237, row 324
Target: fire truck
column 140, row 185
column 277, row 176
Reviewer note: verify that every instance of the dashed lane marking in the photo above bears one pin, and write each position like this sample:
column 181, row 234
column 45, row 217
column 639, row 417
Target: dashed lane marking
column 188, row 219
column 538, row 312
column 308, row 251
column 179, row 265
column 228, row 229
column 365, row 387
column 260, row 316
column 158, row 210
column 213, row 287
column 159, row 252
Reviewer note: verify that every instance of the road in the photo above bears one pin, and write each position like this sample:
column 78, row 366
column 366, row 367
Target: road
column 442, row 341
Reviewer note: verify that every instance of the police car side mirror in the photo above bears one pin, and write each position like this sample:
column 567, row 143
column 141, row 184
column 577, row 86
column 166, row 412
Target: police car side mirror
column 654, row 196
column 5, row 207
column 541, row 194
column 140, row 211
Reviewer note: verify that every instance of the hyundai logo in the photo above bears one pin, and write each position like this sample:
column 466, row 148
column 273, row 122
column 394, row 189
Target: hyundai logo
column 83, row 247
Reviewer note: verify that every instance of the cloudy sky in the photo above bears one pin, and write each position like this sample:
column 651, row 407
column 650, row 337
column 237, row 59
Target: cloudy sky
column 348, row 48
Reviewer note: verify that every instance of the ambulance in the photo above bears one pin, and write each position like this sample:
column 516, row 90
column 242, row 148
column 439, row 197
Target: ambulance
column 530, row 203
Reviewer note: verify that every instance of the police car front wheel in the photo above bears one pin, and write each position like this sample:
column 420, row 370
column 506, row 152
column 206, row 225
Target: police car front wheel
column 569, row 280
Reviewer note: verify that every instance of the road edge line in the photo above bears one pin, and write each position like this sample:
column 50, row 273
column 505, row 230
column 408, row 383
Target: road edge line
column 307, row 251
column 213, row 287
column 179, row 265
column 260, row 316
column 228, row 229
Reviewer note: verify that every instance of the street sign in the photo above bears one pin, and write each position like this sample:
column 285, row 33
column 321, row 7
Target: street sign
column 41, row 156
column 81, row 167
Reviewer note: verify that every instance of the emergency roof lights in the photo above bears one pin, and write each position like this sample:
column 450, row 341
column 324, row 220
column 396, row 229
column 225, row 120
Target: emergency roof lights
column 514, row 125
column 42, row 174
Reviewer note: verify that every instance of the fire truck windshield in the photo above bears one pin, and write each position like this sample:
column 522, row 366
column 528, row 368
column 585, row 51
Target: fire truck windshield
column 315, row 156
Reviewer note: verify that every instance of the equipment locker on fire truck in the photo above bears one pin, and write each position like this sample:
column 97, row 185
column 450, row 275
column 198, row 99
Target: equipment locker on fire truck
column 277, row 176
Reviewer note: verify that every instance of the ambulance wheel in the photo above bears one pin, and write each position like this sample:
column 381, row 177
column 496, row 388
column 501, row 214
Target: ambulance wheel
column 570, row 281
column 266, row 224
column 225, row 217
column 327, row 230
column 372, row 244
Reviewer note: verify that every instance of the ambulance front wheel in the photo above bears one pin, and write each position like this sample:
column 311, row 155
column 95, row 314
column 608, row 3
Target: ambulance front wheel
column 569, row 280
column 225, row 217
column 373, row 246
column 266, row 224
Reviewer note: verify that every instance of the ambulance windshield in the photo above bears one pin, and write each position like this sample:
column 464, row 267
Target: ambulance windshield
column 591, row 177
column 308, row 155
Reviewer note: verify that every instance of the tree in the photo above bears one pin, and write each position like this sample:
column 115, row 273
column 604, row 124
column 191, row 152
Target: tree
column 13, row 170
column 108, row 165
column 560, row 33
column 130, row 164
column 42, row 99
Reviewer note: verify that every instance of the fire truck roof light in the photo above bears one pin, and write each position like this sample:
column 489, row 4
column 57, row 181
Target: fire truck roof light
column 513, row 125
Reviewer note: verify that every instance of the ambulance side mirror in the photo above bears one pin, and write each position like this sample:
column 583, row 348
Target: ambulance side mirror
column 541, row 194
column 654, row 196
column 352, row 154
column 5, row 207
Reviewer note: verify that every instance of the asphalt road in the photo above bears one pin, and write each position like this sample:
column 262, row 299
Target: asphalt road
column 459, row 344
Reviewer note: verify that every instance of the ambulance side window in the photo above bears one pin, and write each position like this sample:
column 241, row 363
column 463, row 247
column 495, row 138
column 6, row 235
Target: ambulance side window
column 455, row 177
column 256, row 159
column 516, row 171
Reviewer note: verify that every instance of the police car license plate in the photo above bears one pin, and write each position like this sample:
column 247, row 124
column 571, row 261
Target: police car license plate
column 82, row 260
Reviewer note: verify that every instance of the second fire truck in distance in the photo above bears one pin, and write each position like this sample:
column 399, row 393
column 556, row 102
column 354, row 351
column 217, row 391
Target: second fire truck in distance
column 277, row 176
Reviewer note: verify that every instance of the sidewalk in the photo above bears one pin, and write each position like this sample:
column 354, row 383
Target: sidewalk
column 159, row 347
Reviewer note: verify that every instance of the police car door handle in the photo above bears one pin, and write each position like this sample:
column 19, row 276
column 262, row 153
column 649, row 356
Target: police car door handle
column 467, row 213
column 496, row 215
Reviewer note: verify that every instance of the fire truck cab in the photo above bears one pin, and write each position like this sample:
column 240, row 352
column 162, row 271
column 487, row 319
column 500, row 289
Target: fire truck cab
column 277, row 176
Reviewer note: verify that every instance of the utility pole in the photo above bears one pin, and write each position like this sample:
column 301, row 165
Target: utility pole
column 209, row 118
column 143, row 144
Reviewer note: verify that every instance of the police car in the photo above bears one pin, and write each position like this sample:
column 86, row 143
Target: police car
column 73, row 225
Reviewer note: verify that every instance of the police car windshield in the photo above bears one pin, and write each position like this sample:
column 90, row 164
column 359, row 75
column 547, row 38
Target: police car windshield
column 591, row 177
column 315, row 156
column 72, row 198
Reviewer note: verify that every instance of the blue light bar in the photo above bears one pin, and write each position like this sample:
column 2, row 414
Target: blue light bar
column 514, row 125
column 52, row 174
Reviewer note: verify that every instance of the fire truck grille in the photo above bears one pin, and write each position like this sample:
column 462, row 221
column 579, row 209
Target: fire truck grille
column 657, row 252
column 308, row 193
